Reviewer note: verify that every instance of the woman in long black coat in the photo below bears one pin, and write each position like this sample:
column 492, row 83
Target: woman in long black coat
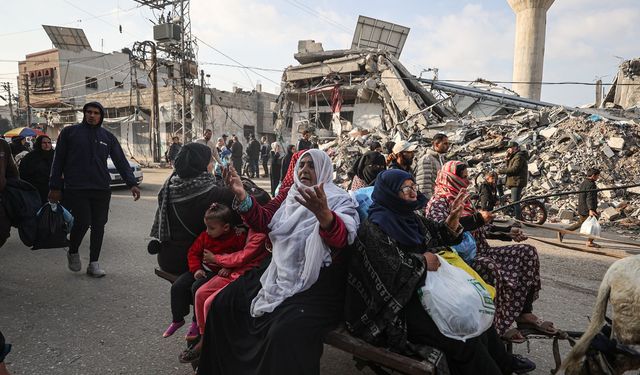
column 275, row 157
column 291, row 149
column 35, row 167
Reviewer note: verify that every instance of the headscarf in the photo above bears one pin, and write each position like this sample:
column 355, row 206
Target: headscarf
column 299, row 251
column 37, row 148
column 289, row 177
column 370, row 165
column 275, row 147
column 449, row 184
column 192, row 160
column 189, row 180
column 394, row 215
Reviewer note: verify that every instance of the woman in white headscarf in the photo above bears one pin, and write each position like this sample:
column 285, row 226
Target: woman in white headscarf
column 274, row 318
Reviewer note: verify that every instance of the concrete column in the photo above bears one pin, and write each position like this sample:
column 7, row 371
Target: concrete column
column 528, row 54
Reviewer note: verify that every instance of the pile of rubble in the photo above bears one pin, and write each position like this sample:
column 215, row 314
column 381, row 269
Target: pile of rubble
column 350, row 98
column 562, row 144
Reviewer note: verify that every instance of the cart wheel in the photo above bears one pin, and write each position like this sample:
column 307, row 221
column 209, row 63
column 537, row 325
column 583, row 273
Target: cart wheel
column 534, row 212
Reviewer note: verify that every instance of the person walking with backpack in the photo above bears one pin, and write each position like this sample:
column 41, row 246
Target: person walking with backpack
column 81, row 157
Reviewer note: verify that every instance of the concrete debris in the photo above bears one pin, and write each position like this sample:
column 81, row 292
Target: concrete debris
column 349, row 98
column 611, row 214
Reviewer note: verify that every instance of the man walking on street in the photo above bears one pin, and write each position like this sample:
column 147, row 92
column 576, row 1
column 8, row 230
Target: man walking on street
column 431, row 163
column 236, row 155
column 206, row 140
column 253, row 152
column 264, row 155
column 517, row 172
column 81, row 158
column 174, row 149
column 587, row 203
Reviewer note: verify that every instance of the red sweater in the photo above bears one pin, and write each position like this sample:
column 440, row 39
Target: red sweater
column 225, row 244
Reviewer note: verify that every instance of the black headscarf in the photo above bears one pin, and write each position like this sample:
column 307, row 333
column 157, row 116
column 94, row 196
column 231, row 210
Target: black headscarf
column 394, row 215
column 192, row 160
column 37, row 148
column 370, row 165
column 17, row 146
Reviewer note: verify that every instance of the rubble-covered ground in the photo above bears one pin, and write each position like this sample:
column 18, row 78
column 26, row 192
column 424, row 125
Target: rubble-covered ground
column 562, row 144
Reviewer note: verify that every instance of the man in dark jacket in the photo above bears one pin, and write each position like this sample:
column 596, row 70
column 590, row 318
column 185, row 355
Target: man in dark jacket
column 81, row 157
column 304, row 143
column 253, row 152
column 236, row 155
column 587, row 203
column 265, row 147
column 174, row 149
column 517, row 172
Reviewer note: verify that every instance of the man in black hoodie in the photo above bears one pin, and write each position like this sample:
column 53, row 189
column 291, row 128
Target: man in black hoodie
column 81, row 157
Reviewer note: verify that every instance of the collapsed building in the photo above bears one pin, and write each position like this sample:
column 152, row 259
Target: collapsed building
column 349, row 98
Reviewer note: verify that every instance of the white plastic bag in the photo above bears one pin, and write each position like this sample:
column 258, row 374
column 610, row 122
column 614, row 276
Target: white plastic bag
column 590, row 227
column 459, row 305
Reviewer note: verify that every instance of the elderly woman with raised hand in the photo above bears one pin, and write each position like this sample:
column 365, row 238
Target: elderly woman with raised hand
column 35, row 166
column 272, row 320
column 391, row 259
column 182, row 202
column 514, row 269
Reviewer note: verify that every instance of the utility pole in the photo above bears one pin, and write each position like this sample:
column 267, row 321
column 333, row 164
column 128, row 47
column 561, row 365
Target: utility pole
column 598, row 93
column 203, row 105
column 155, row 111
column 7, row 87
column 140, row 49
column 26, row 97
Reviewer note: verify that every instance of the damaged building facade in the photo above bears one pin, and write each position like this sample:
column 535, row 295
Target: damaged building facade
column 348, row 98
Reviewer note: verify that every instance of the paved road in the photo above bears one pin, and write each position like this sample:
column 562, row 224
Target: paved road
column 67, row 323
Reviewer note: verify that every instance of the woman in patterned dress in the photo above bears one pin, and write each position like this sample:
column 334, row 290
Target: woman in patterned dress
column 513, row 269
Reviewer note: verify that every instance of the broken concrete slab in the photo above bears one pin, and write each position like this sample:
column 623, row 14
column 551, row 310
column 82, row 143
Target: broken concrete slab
column 608, row 151
column 566, row 214
column 616, row 143
column 548, row 132
column 611, row 214
column 533, row 169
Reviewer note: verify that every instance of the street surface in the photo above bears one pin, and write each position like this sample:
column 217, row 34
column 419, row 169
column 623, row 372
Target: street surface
column 65, row 323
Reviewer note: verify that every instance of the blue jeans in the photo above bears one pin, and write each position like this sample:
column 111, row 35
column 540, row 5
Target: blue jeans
column 516, row 195
column 254, row 167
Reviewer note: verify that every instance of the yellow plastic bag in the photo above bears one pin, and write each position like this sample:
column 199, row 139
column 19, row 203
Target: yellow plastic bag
column 455, row 260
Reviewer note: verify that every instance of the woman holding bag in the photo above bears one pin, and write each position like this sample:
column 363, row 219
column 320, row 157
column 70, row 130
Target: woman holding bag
column 513, row 269
column 393, row 254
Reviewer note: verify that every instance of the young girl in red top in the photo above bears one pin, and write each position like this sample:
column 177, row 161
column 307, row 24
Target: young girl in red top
column 220, row 238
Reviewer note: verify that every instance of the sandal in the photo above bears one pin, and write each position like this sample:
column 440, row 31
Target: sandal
column 173, row 327
column 543, row 326
column 514, row 336
column 189, row 355
column 594, row 245
column 193, row 332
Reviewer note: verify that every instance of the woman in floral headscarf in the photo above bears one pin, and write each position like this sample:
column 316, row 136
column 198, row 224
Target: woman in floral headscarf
column 514, row 269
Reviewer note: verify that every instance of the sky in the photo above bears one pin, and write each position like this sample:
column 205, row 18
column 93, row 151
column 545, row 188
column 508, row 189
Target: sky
column 586, row 39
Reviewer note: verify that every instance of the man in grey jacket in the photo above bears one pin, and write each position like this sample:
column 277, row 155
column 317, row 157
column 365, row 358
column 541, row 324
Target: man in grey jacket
column 431, row 163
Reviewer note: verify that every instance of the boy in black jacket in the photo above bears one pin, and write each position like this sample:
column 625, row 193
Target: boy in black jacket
column 489, row 192
column 587, row 203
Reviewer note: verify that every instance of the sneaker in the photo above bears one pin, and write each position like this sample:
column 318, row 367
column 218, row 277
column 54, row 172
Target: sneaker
column 73, row 261
column 94, row 270
column 522, row 365
column 193, row 332
column 173, row 327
